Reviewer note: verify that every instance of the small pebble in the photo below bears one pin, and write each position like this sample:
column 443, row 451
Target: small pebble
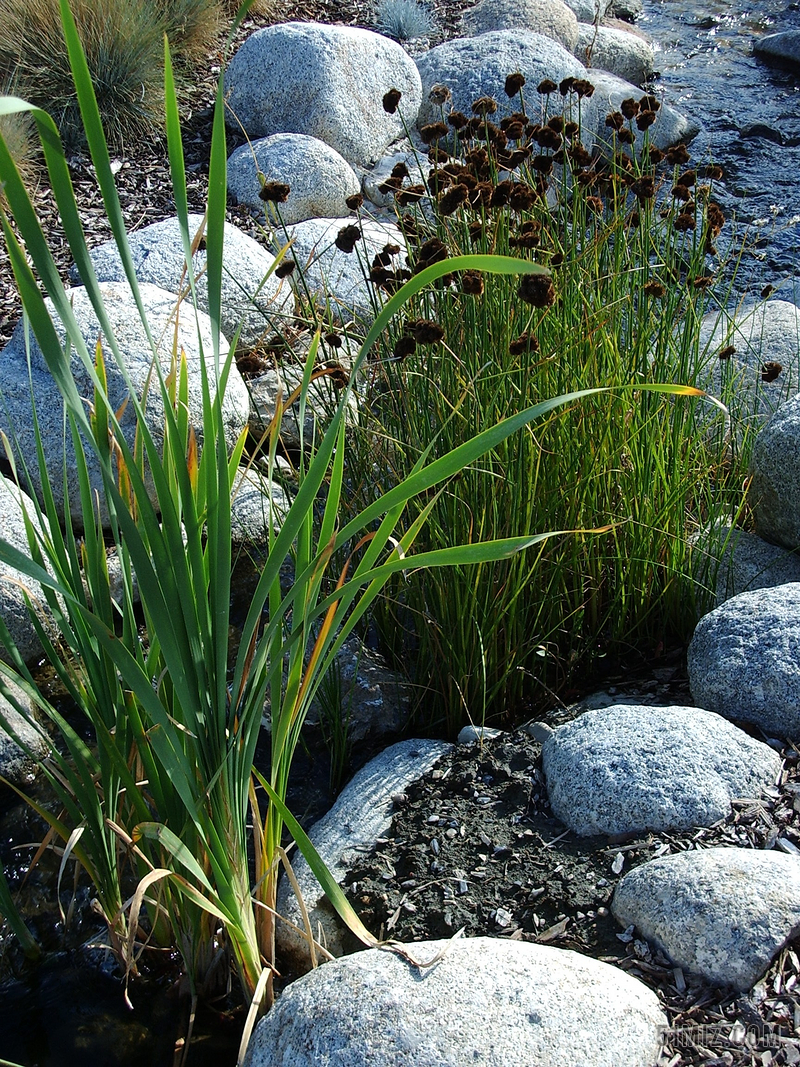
column 503, row 917
column 451, row 833
column 435, row 847
column 433, row 818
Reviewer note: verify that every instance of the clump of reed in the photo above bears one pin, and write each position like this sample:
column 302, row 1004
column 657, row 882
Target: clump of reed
column 629, row 239
column 123, row 43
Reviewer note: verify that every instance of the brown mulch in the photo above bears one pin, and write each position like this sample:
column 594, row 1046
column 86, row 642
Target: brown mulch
column 475, row 846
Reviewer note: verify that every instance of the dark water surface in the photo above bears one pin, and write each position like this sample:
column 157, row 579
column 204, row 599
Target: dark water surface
column 750, row 112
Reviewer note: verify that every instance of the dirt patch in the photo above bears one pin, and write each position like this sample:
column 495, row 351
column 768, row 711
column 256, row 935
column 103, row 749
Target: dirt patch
column 475, row 846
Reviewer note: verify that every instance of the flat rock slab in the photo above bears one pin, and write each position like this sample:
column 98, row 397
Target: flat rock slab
column 325, row 81
column 721, row 913
column 362, row 813
column 486, row 1001
column 744, row 660
column 630, row 768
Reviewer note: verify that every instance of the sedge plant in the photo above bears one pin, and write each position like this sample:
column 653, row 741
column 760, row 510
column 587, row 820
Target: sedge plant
column 156, row 809
column 629, row 239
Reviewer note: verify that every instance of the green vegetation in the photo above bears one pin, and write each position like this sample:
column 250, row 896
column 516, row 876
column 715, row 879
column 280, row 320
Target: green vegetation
column 156, row 809
column 629, row 239
column 123, row 41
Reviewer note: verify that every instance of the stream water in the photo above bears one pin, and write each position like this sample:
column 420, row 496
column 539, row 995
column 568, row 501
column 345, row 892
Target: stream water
column 750, row 112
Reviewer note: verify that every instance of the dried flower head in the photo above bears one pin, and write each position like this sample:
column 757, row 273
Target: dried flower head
column 412, row 195
column 475, row 231
column 346, row 238
column 677, row 155
column 684, row 222
column 626, row 136
column 439, row 95
column 472, row 283
column 645, row 119
column 355, row 201
column 546, row 86
column 557, row 259
column 285, row 268
column 770, row 370
column 634, row 219
column 565, row 85
column 274, row 192
column 767, row 291
column 334, row 340
column 680, row 192
column 433, row 131
column 438, row 155
column 537, row 289
column 391, row 100
column 521, row 197
column 452, row 198
column 715, row 216
column 655, row 289
column 426, row 332
column 484, row 105
column 526, row 342
column 582, row 87
column 649, row 103
column 713, row 172
column 727, row 352
column 629, row 108
column 595, row 204
column 543, row 164
column 644, row 188
column 656, row 155
column 615, row 120
column 556, row 122
column 571, row 129
column 405, row 346
column 579, row 155
column 515, row 131
column 431, row 251
column 457, row 119
column 703, row 281
column 514, row 82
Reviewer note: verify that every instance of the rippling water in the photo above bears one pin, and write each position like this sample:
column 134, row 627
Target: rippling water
column 750, row 111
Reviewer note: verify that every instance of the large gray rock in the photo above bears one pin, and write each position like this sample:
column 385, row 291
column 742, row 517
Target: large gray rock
column 15, row 387
column 738, row 561
column 325, row 81
column 472, row 67
column 775, row 470
column 251, row 296
column 362, row 813
column 339, row 279
column 670, row 128
column 22, row 740
column 621, row 52
column 486, row 1001
column 631, row 768
column 721, row 913
column 14, row 586
column 744, row 660
column 319, row 178
column 373, row 700
column 258, row 505
column 553, row 18
column 590, row 10
column 783, row 46
column 763, row 334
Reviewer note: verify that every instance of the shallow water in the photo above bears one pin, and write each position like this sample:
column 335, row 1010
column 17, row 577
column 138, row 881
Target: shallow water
column 750, row 111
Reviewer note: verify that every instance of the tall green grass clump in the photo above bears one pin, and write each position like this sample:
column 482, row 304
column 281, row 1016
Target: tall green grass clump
column 123, row 43
column 628, row 238
column 162, row 807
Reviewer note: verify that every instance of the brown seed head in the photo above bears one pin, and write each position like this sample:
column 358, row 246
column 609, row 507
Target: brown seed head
column 770, row 371
column 514, row 83
column 685, row 222
column 655, row 289
column 703, row 281
column 355, row 201
column 626, row 136
column 546, row 86
column 649, row 103
column 645, row 119
column 582, row 87
column 629, row 108
column 346, row 238
column 426, row 332
column 472, row 283
column 391, row 100
column 439, row 95
column 484, row 105
column 615, row 120
column 457, row 119
column 433, row 131
column 677, row 155
column 274, row 192
column 406, row 346
column 727, row 352
column 565, row 85
column 284, row 269
column 526, row 342
column 537, row 290
column 450, row 200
